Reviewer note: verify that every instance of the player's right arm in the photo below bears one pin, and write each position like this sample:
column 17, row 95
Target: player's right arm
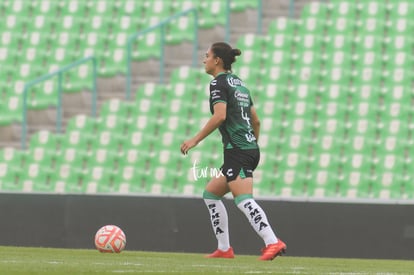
column 218, row 117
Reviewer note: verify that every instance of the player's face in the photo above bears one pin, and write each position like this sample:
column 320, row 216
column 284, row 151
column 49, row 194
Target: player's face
column 210, row 62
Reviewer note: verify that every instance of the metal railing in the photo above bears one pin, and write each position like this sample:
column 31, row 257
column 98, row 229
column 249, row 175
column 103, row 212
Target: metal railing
column 161, row 27
column 59, row 73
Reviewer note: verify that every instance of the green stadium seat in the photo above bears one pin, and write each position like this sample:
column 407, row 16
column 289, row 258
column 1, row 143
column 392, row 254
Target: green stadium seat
column 393, row 110
column 336, row 75
column 282, row 42
column 341, row 25
column 61, row 55
column 107, row 157
column 277, row 58
column 122, row 109
column 249, row 75
column 276, row 74
column 314, row 10
column 75, row 8
column 398, row 76
column 386, row 191
column 108, row 140
column 14, row 23
column 180, row 30
column 371, row 26
column 104, row 180
column 43, row 23
column 134, row 173
column 12, row 164
column 77, row 139
column 341, row 59
column 214, row 13
column 93, row 39
column 149, row 90
column 142, row 123
column 12, row 109
column 268, row 185
column 126, row 25
column 113, row 64
column 43, row 95
column 243, row 5
column 325, row 156
column 131, row 156
column 397, row 42
column 69, row 22
column 43, row 156
column 20, row 8
column 46, row 8
column 291, row 160
column 290, row 176
column 401, row 8
column 82, row 123
column 389, row 166
column 10, row 178
column 38, row 39
column 330, row 119
column 146, row 47
column 356, row 176
column 158, row 8
column 342, row 8
column 129, row 7
column 322, row 182
column 182, row 74
column 314, row 26
column 70, row 179
column 371, row 18
column 282, row 25
column 102, row 8
column 38, row 178
column 72, row 156
column 12, row 155
column 78, row 79
column 338, row 42
column 252, row 41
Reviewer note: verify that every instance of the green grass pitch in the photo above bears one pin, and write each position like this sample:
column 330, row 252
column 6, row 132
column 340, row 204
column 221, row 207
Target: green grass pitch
column 25, row 260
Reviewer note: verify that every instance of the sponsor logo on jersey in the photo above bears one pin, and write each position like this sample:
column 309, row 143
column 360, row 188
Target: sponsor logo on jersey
column 215, row 94
column 241, row 97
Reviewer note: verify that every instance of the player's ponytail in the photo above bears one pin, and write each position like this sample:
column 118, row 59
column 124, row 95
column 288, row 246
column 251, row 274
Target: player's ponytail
column 226, row 53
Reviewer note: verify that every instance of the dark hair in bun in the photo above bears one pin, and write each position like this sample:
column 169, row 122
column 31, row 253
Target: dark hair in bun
column 226, row 53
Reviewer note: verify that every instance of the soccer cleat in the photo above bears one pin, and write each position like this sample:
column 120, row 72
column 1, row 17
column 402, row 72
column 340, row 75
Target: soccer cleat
column 229, row 254
column 271, row 251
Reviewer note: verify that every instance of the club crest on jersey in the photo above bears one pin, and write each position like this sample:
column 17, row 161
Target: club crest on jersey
column 235, row 82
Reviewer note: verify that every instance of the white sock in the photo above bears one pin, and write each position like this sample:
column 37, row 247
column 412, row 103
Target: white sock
column 258, row 220
column 219, row 222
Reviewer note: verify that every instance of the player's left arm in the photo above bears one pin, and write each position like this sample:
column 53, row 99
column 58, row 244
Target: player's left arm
column 255, row 122
column 218, row 117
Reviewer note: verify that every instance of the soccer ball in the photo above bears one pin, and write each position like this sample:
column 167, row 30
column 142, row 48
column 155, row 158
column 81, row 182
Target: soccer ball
column 110, row 238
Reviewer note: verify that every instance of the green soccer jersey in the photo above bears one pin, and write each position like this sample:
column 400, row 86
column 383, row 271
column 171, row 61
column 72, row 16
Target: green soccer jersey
column 236, row 130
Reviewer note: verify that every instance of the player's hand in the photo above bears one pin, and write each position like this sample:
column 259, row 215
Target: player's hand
column 187, row 145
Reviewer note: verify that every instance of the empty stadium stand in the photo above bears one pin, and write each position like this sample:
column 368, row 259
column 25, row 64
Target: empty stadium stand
column 333, row 85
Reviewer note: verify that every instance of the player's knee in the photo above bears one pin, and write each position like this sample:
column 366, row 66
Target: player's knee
column 209, row 195
column 241, row 198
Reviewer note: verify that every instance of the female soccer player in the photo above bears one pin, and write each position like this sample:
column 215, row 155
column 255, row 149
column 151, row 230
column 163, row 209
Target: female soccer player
column 233, row 113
